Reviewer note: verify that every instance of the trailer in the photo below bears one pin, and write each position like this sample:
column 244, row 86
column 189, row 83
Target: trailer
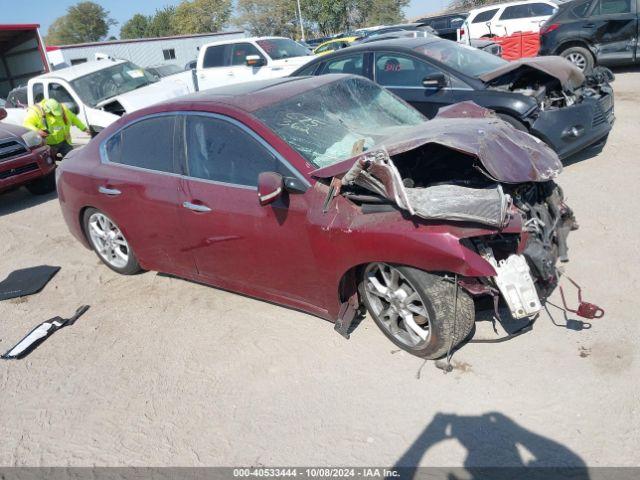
column 22, row 55
column 145, row 52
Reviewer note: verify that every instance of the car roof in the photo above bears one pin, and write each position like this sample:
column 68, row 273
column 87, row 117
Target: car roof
column 80, row 70
column 241, row 95
column 409, row 43
column 508, row 4
column 241, row 40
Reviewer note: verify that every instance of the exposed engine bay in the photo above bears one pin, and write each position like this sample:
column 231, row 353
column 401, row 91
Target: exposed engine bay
column 549, row 91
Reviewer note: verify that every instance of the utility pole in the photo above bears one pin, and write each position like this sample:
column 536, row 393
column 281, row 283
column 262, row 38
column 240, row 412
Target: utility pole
column 300, row 18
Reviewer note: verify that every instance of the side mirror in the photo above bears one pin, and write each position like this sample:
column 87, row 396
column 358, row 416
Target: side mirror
column 73, row 106
column 435, row 80
column 3, row 114
column 270, row 187
column 254, row 61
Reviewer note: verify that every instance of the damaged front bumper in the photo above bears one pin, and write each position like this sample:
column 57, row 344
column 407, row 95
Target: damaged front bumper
column 571, row 129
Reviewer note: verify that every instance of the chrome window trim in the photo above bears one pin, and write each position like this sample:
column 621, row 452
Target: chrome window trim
column 104, row 158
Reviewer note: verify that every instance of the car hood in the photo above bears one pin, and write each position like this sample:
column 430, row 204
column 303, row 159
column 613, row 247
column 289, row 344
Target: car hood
column 559, row 68
column 506, row 155
column 293, row 62
column 165, row 89
column 8, row 131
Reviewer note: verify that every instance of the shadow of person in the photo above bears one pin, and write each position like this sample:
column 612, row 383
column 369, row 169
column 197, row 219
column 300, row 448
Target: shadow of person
column 497, row 448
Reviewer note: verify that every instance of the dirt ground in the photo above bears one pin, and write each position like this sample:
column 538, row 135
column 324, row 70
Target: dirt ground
column 161, row 371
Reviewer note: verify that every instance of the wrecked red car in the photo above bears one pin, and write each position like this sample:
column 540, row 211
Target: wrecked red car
column 327, row 194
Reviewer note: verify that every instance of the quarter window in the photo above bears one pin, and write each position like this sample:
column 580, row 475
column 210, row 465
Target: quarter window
column 612, row 7
column 214, row 57
column 221, row 151
column 393, row 70
column 484, row 16
column 353, row 64
column 541, row 10
column 145, row 144
column 38, row 92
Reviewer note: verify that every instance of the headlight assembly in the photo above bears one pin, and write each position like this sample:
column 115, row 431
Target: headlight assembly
column 32, row 139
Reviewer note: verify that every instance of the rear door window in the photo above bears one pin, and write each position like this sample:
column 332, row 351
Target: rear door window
column 221, row 151
column 145, row 144
column 581, row 9
column 484, row 16
column 215, row 57
column 38, row 92
column 353, row 64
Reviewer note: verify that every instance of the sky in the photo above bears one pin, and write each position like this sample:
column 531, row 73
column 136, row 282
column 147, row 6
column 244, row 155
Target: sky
column 45, row 11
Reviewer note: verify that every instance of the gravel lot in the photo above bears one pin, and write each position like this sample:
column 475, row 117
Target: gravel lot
column 162, row 371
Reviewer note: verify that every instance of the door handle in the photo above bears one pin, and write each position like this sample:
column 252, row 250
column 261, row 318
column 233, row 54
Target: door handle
column 588, row 25
column 109, row 191
column 195, row 207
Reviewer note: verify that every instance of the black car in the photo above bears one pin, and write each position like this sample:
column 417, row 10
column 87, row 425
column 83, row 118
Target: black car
column 546, row 96
column 590, row 32
column 446, row 26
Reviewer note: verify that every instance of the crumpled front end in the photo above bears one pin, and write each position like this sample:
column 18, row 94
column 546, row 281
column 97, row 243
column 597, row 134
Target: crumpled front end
column 449, row 178
column 573, row 112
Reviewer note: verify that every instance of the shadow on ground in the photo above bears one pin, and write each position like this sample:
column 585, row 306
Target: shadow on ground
column 21, row 199
column 496, row 447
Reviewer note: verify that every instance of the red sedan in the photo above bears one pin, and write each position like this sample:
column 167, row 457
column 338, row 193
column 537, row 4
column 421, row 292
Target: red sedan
column 325, row 194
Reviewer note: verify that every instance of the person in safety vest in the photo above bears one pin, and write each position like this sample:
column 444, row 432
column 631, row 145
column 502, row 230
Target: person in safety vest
column 52, row 120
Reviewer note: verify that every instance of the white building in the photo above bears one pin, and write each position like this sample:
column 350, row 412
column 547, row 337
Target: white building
column 144, row 52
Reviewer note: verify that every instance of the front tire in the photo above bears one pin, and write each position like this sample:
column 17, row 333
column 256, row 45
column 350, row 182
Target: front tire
column 43, row 185
column 580, row 57
column 416, row 309
column 109, row 243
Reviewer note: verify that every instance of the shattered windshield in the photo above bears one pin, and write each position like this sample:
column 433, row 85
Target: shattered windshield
column 279, row 48
column 110, row 82
column 463, row 58
column 337, row 120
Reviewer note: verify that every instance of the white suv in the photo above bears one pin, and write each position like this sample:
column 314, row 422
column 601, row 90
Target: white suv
column 506, row 19
column 242, row 60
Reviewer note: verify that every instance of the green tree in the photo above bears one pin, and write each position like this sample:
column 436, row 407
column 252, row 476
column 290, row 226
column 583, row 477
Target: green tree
column 136, row 27
column 334, row 16
column 163, row 23
column 202, row 16
column 84, row 22
column 269, row 17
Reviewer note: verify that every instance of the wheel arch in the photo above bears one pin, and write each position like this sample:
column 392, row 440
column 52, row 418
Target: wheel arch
column 575, row 43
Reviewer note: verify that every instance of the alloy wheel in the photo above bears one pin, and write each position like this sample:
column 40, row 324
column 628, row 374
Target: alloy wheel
column 578, row 60
column 108, row 240
column 396, row 304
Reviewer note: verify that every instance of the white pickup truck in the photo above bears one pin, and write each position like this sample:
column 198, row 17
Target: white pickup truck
column 101, row 92
column 241, row 60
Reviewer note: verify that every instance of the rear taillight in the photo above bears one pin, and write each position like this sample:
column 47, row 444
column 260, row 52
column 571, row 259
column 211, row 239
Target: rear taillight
column 548, row 28
column 461, row 32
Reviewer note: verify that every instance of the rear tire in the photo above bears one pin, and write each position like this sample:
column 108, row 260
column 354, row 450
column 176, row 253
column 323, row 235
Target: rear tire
column 43, row 185
column 433, row 308
column 109, row 243
column 581, row 57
